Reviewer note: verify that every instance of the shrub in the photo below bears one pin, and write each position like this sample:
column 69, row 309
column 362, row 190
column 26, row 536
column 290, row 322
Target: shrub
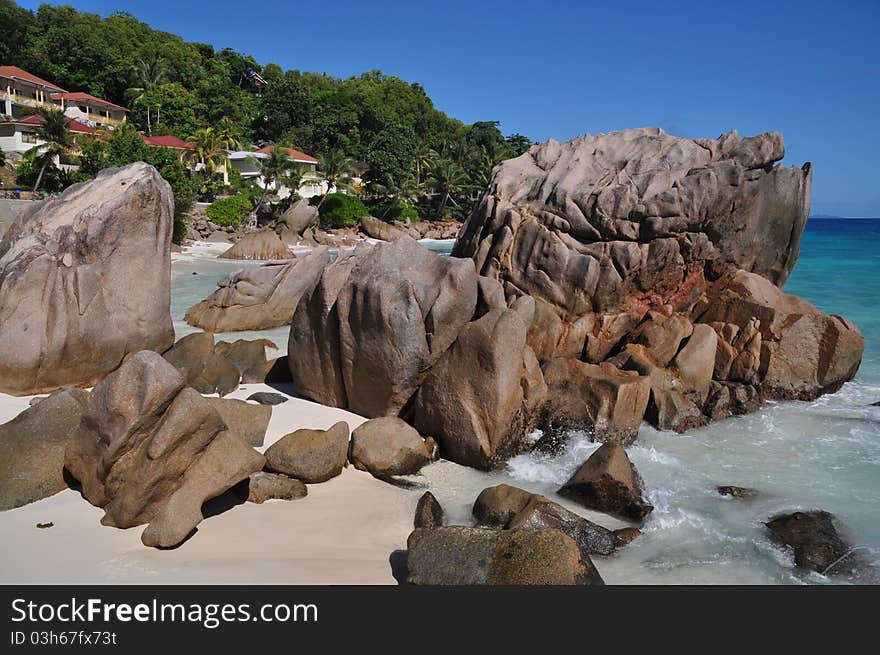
column 401, row 212
column 340, row 210
column 229, row 211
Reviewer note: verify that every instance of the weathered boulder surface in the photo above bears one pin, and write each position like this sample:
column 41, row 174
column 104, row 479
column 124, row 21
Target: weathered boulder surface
column 32, row 448
column 817, row 546
column 247, row 420
column 259, row 297
column 676, row 246
column 295, row 220
column 388, row 446
column 262, row 486
column 262, row 245
column 429, row 512
column 151, row 450
column 504, row 506
column 203, row 369
column 311, row 456
column 378, row 229
column 85, row 279
column 375, row 322
column 472, row 401
column 608, row 482
column 458, row 555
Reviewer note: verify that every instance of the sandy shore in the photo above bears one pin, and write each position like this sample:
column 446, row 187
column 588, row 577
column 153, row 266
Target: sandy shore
column 342, row 533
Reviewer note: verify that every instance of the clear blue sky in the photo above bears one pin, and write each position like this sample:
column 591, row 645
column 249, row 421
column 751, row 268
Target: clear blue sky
column 557, row 69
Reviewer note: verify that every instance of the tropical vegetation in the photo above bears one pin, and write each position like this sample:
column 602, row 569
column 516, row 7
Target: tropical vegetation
column 376, row 136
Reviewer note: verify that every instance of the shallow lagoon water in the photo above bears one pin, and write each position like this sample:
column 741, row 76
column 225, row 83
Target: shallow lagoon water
column 799, row 455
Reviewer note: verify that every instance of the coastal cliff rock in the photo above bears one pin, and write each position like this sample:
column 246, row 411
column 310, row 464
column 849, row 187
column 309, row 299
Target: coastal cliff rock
column 150, row 450
column 263, row 245
column 85, row 279
column 638, row 239
column 259, row 297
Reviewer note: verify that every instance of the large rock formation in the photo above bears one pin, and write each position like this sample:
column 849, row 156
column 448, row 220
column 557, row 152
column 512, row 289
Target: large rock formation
column 677, row 246
column 376, row 321
column 150, row 450
column 606, row 280
column 259, row 297
column 85, row 279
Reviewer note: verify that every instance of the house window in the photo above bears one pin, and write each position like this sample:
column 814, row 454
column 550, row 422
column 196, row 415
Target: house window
column 28, row 137
column 84, row 109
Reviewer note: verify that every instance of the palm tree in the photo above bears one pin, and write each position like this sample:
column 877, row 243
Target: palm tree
column 424, row 157
column 336, row 169
column 208, row 149
column 55, row 135
column 227, row 134
column 148, row 74
column 403, row 192
column 447, row 178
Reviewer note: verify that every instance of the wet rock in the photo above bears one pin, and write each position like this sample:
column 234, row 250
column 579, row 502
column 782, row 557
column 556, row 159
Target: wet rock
column 602, row 399
column 259, row 297
column 541, row 513
column 608, row 482
column 151, row 450
column 477, row 556
column 817, row 546
column 32, row 448
column 268, row 398
column 247, row 420
column 262, row 486
column 85, row 279
column 388, row 446
column 262, row 245
column 496, row 506
column 429, row 512
column 737, row 492
column 627, row 535
column 312, row 456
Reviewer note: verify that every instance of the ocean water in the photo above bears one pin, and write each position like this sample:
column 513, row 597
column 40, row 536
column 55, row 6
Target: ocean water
column 799, row 455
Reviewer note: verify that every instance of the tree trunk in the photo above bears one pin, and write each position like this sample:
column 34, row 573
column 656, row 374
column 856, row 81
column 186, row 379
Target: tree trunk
column 442, row 205
column 149, row 126
column 42, row 170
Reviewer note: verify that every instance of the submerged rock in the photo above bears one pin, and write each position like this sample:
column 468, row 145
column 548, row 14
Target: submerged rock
column 151, row 450
column 259, row 297
column 737, row 492
column 496, row 506
column 312, row 456
column 85, row 279
column 817, row 546
column 458, row 555
column 429, row 512
column 608, row 482
column 32, row 448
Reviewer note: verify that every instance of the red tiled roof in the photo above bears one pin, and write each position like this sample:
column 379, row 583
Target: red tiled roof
column 295, row 155
column 167, row 141
column 15, row 72
column 81, row 96
column 72, row 125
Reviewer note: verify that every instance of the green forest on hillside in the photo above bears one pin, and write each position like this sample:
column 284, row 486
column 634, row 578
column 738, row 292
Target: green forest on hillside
column 380, row 127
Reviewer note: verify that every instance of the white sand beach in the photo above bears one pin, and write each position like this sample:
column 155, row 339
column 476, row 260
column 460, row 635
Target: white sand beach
column 343, row 532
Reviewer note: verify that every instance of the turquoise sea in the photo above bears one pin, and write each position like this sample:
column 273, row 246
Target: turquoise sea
column 823, row 454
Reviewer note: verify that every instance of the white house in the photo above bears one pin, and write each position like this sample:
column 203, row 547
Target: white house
column 248, row 164
column 20, row 134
